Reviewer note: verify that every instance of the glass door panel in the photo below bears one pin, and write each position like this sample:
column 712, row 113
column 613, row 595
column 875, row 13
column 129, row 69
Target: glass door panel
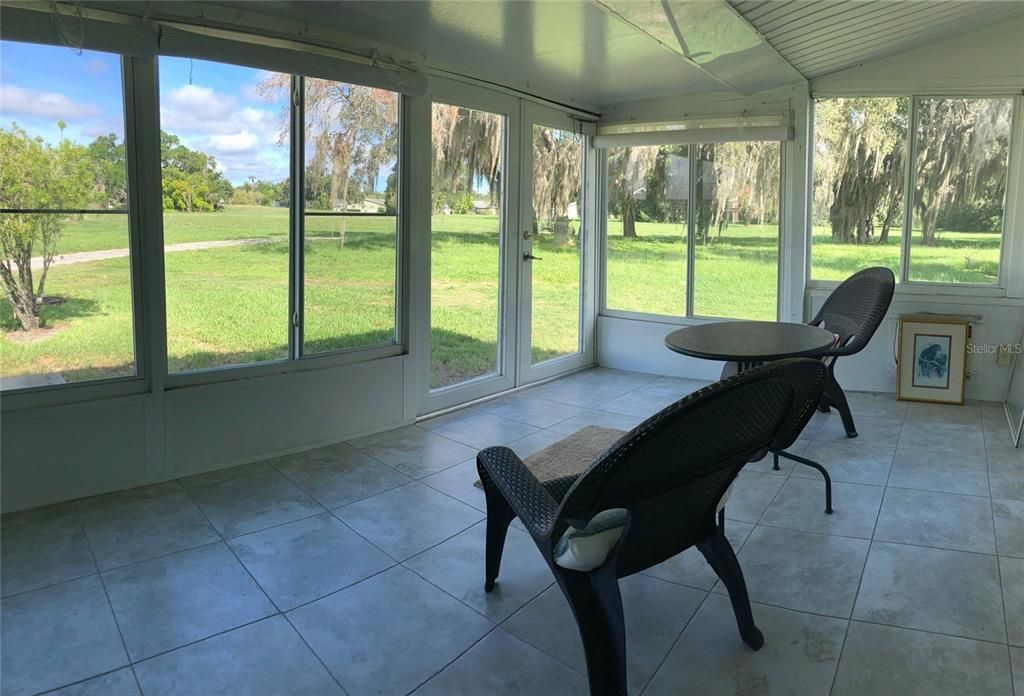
column 467, row 181
column 553, row 244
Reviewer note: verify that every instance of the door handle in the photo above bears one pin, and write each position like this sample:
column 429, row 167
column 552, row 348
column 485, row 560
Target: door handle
column 527, row 256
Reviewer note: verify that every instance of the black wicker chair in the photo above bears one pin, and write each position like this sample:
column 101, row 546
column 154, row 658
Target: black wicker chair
column 853, row 312
column 665, row 479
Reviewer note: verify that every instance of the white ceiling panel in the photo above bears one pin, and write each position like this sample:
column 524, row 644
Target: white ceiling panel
column 575, row 51
column 714, row 37
column 819, row 37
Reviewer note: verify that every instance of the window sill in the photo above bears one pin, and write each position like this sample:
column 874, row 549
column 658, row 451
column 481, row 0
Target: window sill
column 933, row 293
column 664, row 318
column 66, row 394
column 74, row 393
column 321, row 361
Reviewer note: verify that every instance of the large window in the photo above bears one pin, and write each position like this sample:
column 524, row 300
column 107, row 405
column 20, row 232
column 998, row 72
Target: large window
column 717, row 258
column 949, row 229
column 961, row 151
column 860, row 156
column 351, row 202
column 65, row 266
column 225, row 165
column 228, row 160
column 648, row 204
column 736, row 231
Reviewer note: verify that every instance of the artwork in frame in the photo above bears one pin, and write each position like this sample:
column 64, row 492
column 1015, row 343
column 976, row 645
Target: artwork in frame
column 932, row 358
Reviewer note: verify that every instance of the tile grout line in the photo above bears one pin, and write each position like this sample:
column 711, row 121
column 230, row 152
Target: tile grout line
column 531, row 644
column 110, row 605
column 864, row 565
column 999, row 566
column 661, row 663
column 445, row 591
column 494, row 627
column 287, row 619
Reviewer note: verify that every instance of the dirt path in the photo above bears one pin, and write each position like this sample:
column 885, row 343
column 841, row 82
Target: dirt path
column 86, row 256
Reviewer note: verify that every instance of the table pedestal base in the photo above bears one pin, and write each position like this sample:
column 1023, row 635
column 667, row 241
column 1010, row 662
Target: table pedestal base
column 734, row 368
column 814, row 465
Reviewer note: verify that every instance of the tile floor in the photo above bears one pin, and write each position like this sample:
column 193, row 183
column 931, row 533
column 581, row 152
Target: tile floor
column 358, row 568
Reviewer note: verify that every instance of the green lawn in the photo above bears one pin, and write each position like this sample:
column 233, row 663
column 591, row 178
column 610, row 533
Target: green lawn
column 229, row 305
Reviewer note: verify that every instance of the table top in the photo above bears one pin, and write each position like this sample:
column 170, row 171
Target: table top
column 750, row 341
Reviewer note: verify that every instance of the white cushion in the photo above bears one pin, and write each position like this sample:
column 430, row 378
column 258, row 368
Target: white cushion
column 587, row 548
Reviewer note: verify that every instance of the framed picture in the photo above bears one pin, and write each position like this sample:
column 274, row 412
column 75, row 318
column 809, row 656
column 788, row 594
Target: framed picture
column 932, row 359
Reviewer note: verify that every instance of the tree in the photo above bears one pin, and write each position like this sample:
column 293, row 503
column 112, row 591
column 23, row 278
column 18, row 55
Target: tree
column 859, row 161
column 191, row 179
column 628, row 169
column 36, row 176
column 736, row 182
column 557, row 161
column 108, row 162
column 466, row 156
column 352, row 131
column 962, row 149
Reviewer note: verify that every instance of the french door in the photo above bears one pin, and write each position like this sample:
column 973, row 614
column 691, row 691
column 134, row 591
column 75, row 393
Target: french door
column 509, row 244
column 555, row 245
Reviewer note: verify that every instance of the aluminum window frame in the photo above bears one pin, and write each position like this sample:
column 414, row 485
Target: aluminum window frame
column 297, row 359
column 1012, row 202
column 689, row 317
column 112, row 387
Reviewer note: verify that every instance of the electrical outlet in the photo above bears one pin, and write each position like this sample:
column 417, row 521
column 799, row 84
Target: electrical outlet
column 1003, row 357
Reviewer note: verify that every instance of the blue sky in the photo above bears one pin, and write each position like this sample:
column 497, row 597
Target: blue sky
column 209, row 106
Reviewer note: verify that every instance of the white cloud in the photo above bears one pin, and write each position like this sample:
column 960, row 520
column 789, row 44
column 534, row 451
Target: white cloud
column 255, row 117
column 243, row 139
column 21, row 101
column 234, row 143
column 203, row 103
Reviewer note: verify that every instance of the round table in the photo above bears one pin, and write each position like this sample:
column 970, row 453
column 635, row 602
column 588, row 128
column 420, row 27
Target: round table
column 747, row 344
column 750, row 343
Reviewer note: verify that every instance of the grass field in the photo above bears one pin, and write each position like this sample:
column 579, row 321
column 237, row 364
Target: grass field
column 229, row 305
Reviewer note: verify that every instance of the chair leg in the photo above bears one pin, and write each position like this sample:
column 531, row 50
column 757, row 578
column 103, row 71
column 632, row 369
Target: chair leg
column 597, row 605
column 499, row 517
column 720, row 556
column 836, row 397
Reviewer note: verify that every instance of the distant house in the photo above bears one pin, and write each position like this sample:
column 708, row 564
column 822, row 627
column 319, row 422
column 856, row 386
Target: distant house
column 373, row 205
column 484, row 208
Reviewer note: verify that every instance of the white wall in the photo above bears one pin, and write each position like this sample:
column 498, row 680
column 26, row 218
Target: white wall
column 630, row 344
column 75, row 450
column 874, row 369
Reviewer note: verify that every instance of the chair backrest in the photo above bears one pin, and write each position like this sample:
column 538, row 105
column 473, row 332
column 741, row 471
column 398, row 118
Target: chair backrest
column 672, row 469
column 856, row 308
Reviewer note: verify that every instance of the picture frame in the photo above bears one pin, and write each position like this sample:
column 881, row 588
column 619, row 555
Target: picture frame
column 932, row 359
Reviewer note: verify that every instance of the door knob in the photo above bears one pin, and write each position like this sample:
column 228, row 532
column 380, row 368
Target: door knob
column 527, row 256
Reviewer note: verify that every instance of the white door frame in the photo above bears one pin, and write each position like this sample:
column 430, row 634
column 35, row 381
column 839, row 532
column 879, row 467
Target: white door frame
column 514, row 349
column 431, row 400
column 533, row 113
